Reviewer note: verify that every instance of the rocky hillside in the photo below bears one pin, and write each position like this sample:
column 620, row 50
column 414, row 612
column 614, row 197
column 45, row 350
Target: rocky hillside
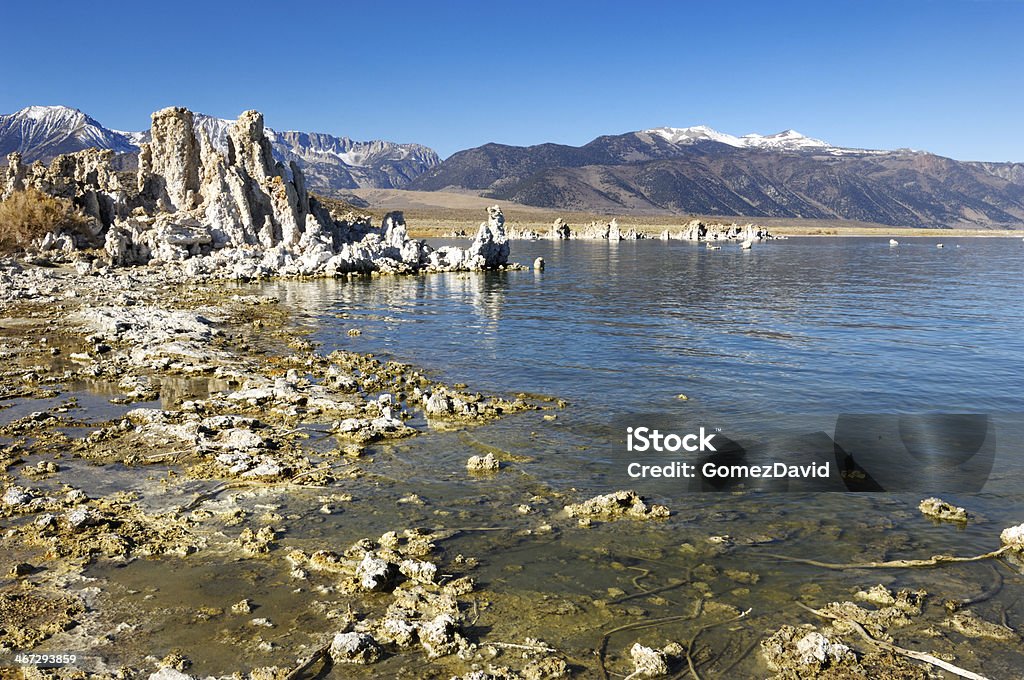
column 700, row 170
column 330, row 163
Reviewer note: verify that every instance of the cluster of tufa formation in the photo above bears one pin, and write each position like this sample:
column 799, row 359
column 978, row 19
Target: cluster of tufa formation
column 236, row 214
column 694, row 230
column 616, row 505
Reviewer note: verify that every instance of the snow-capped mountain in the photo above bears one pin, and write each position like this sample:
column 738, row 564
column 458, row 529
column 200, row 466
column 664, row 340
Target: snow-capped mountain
column 330, row 163
column 43, row 132
column 700, row 170
column 788, row 140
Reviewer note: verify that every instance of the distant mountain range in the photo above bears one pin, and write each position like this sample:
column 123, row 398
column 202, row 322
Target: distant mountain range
column 329, row 163
column 700, row 170
column 676, row 170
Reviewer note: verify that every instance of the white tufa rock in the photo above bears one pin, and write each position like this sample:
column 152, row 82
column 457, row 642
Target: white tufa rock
column 375, row 573
column 486, row 463
column 233, row 214
column 1013, row 537
column 357, row 648
column 816, row 649
column 937, row 508
column 647, row 662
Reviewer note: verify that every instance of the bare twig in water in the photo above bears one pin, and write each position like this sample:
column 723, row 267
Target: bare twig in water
column 644, row 573
column 918, row 656
column 1005, row 614
column 166, row 454
column 987, row 594
column 690, row 663
column 603, row 647
column 531, row 648
column 329, row 468
column 204, row 496
column 643, row 593
column 935, row 561
column 736, row 661
column 306, row 664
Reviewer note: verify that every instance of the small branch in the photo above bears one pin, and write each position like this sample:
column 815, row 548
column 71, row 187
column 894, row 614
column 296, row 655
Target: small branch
column 603, row 647
column 166, row 454
column 644, row 573
column 308, row 663
column 310, row 471
column 935, row 561
column 652, row 591
column 735, row 662
column 693, row 640
column 987, row 594
column 530, row 648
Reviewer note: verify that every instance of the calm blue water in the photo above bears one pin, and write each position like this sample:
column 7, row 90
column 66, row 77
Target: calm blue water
column 767, row 344
column 813, row 325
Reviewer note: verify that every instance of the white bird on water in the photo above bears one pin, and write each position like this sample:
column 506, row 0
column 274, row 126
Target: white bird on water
column 939, row 245
column 746, row 244
column 893, row 242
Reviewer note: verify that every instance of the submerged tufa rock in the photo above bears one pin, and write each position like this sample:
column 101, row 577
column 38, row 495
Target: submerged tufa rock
column 620, row 504
column 940, row 509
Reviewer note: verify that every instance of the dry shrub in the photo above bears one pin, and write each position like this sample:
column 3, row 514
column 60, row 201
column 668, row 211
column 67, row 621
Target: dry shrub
column 30, row 214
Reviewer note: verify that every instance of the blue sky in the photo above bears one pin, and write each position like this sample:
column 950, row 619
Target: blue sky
column 945, row 76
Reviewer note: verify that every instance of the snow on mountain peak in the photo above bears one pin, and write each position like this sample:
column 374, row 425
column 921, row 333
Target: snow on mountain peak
column 696, row 133
column 42, row 112
column 785, row 140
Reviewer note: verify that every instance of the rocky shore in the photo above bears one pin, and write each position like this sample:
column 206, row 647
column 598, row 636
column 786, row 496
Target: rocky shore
column 138, row 333
column 222, row 420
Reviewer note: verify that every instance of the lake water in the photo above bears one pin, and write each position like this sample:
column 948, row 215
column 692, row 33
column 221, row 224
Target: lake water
column 767, row 344
column 812, row 325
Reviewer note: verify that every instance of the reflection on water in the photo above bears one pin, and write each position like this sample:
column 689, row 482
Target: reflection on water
column 805, row 325
column 776, row 341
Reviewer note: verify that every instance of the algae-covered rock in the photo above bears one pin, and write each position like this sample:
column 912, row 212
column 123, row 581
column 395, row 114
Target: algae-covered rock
column 617, row 505
column 800, row 652
column 969, row 625
column 28, row 618
column 937, row 508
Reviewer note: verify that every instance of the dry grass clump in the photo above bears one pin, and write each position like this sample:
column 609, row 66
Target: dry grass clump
column 30, row 214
